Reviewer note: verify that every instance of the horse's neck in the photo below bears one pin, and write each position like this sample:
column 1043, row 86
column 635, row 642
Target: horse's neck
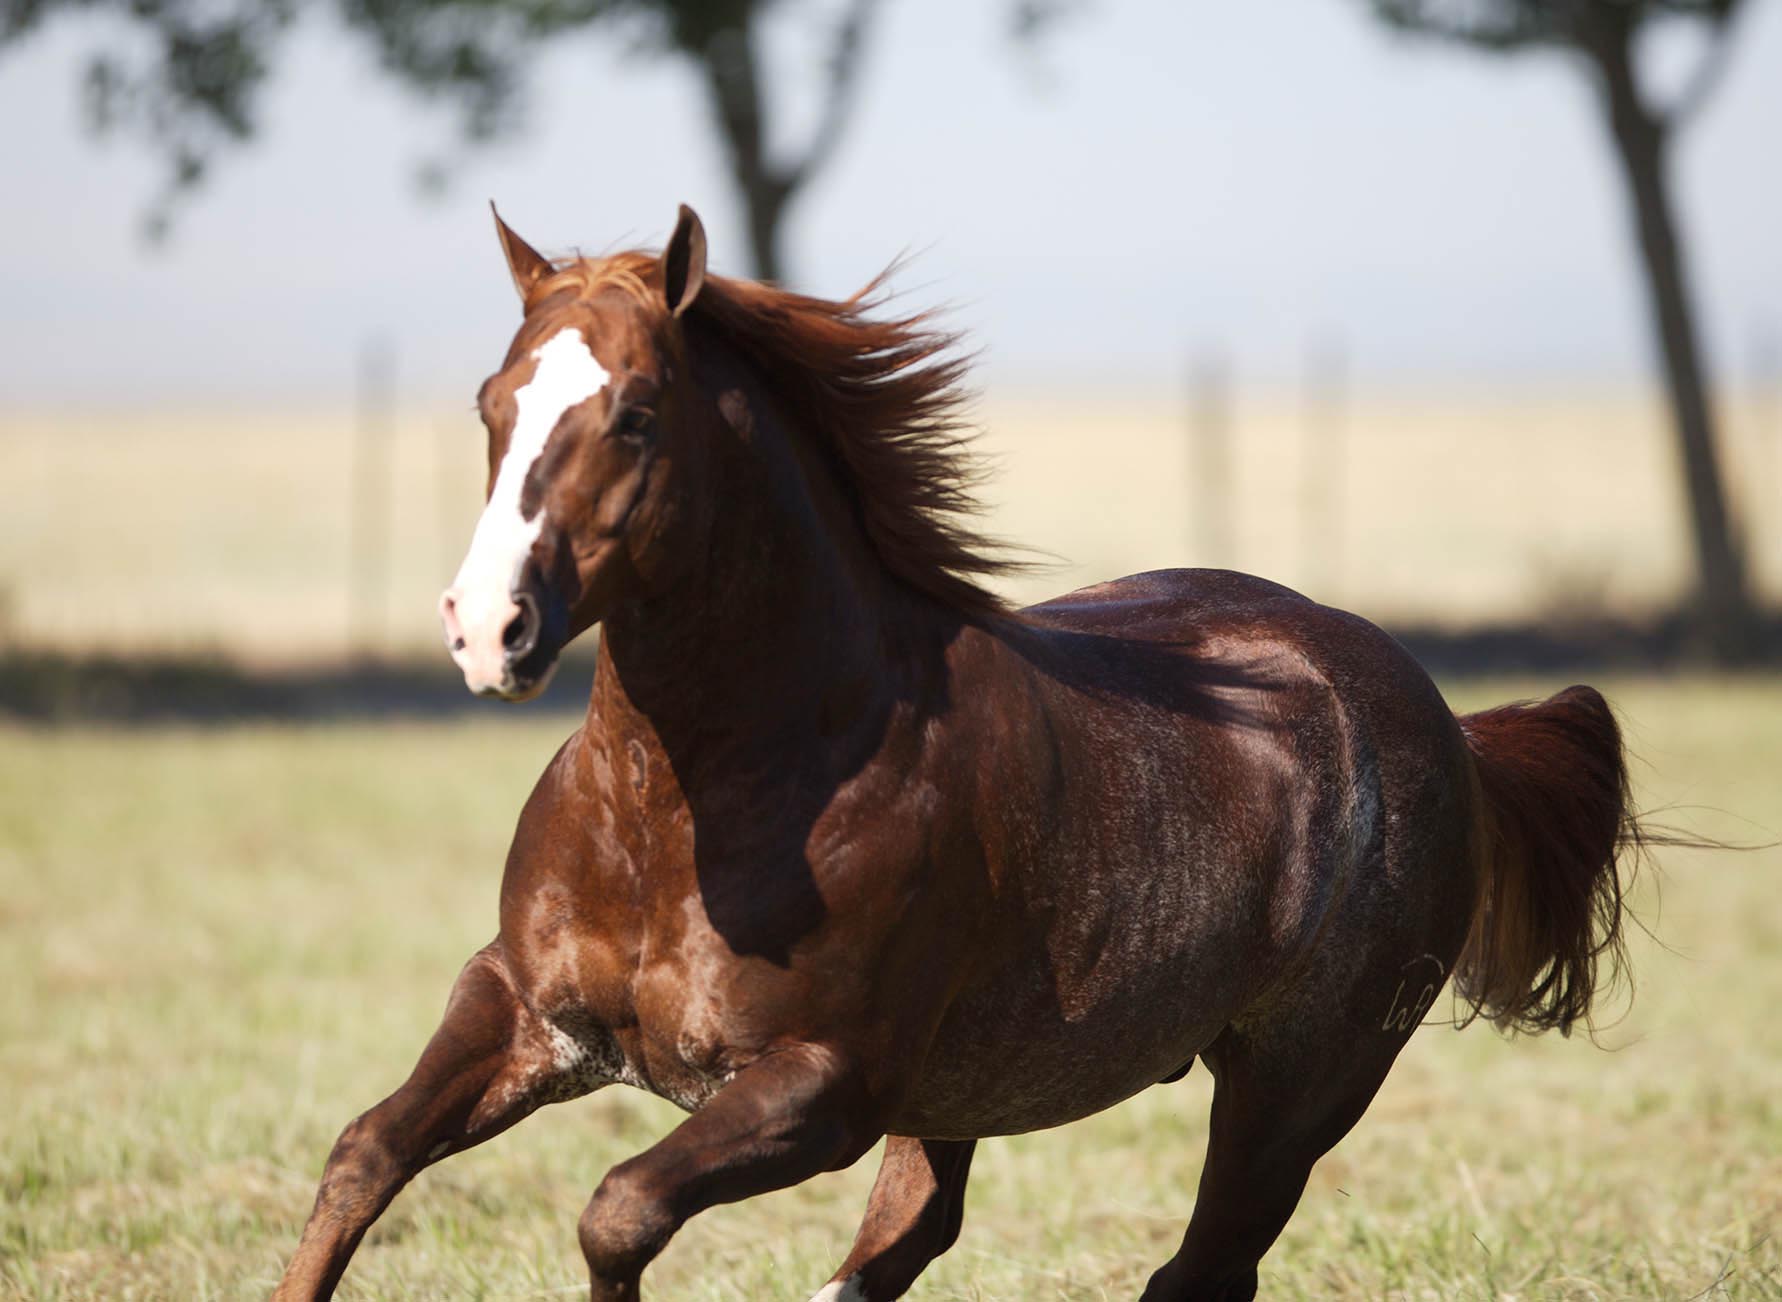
column 786, row 639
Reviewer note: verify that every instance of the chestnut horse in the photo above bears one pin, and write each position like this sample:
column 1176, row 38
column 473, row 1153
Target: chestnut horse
column 846, row 849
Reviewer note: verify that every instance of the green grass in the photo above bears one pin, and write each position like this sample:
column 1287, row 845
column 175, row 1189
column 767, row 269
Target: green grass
column 218, row 946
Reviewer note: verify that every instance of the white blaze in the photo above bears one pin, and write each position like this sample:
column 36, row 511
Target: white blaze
column 848, row 1290
column 566, row 374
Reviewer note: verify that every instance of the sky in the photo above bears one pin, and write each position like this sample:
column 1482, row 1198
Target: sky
column 1153, row 183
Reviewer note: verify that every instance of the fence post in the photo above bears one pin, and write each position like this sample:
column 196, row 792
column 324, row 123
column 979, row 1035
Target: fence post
column 374, row 423
column 1763, row 504
column 1210, row 485
column 1324, row 465
column 452, row 514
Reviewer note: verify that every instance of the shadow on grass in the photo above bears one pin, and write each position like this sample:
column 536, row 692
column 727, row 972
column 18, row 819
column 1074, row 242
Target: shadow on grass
column 51, row 687
column 1586, row 644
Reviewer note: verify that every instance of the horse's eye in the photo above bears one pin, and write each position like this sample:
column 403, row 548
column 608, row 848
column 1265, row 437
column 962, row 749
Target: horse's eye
column 636, row 423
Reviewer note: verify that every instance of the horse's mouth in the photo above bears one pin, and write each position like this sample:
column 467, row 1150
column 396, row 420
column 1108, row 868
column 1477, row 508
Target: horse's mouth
column 524, row 681
column 531, row 642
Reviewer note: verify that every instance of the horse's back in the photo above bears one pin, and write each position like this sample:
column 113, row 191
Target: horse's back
column 1225, row 628
column 1176, row 606
column 1144, row 598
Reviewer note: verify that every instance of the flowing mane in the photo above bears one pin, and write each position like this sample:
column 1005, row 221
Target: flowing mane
column 883, row 396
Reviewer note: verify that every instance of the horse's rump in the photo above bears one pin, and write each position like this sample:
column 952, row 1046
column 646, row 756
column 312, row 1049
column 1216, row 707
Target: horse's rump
column 1188, row 783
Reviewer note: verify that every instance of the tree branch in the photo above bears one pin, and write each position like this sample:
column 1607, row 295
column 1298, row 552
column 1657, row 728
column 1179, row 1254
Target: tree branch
column 734, row 79
column 1487, row 26
column 1707, row 75
column 193, row 96
column 1030, row 20
column 841, row 96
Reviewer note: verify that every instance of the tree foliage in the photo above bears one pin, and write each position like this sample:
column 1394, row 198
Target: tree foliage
column 1588, row 26
column 192, row 88
column 188, row 81
column 1515, row 24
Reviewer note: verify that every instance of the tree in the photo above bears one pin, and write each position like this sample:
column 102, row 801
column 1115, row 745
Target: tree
column 195, row 91
column 1606, row 33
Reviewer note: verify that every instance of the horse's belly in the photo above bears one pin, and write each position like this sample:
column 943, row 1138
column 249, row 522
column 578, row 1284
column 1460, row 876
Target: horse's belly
column 1027, row 1052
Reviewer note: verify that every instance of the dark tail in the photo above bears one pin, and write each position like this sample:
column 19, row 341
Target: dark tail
column 1547, row 934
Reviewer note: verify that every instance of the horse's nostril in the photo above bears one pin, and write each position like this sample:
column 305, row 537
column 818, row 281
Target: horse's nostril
column 448, row 614
column 521, row 634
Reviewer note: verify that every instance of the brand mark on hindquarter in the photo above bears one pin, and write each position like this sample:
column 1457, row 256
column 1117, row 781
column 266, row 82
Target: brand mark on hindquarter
column 1418, row 983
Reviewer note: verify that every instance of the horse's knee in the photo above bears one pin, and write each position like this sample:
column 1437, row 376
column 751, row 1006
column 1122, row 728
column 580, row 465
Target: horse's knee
column 362, row 1164
column 626, row 1223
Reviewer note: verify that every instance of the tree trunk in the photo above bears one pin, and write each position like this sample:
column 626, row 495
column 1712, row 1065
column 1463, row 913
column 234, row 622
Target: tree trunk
column 1723, row 598
column 767, row 205
column 733, row 79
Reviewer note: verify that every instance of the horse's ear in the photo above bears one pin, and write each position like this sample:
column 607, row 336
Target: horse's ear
column 683, row 262
column 527, row 265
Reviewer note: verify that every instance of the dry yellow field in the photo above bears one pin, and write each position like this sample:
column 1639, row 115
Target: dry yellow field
column 232, row 531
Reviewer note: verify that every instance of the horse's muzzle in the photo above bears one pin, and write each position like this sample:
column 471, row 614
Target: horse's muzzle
column 508, row 647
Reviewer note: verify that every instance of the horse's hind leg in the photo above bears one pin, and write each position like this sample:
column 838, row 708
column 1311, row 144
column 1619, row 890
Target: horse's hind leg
column 489, row 1064
column 912, row 1217
column 1278, row 1106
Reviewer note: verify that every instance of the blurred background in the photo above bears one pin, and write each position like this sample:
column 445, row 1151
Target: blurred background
column 1463, row 314
column 1353, row 304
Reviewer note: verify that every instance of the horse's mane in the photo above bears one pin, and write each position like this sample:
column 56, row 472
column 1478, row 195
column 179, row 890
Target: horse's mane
column 883, row 395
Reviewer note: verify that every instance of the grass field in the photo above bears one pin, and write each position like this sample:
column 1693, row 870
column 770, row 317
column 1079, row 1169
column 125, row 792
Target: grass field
column 219, row 945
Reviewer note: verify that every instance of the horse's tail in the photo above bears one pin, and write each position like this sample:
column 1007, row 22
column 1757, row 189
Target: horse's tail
column 1560, row 829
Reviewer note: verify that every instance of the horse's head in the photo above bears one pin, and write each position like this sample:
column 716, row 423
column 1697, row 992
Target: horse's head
column 584, row 430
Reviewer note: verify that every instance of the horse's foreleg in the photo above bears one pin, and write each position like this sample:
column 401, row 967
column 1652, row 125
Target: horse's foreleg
column 913, row 1216
column 779, row 1121
column 489, row 1064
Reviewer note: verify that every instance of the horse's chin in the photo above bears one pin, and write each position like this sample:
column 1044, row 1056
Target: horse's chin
column 529, row 689
column 521, row 687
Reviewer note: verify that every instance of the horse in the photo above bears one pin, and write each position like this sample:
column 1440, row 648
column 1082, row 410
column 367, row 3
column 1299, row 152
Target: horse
column 847, row 849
